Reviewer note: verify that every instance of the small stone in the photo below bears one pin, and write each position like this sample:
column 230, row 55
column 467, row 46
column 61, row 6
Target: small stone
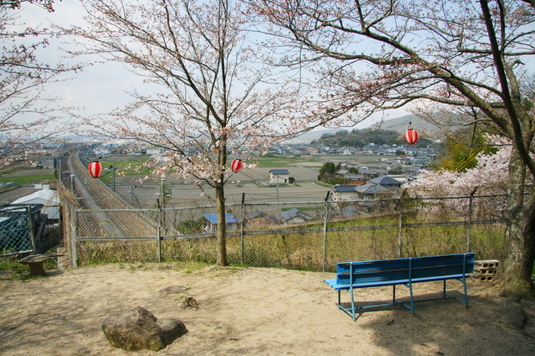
column 174, row 290
column 189, row 302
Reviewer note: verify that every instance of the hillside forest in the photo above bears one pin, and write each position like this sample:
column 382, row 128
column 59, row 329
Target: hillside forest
column 360, row 138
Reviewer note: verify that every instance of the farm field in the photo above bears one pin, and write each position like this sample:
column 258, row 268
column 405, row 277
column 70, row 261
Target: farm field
column 250, row 181
column 27, row 176
column 304, row 168
column 134, row 182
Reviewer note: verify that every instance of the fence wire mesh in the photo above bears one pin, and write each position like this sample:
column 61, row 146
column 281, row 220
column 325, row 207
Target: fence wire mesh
column 16, row 232
column 310, row 235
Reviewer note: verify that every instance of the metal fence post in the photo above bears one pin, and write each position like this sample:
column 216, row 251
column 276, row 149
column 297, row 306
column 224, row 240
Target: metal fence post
column 74, row 251
column 159, row 243
column 162, row 204
column 242, row 232
column 31, row 227
column 326, row 218
column 469, row 223
column 400, row 223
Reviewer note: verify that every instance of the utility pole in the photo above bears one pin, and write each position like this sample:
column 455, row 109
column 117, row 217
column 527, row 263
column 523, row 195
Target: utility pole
column 113, row 176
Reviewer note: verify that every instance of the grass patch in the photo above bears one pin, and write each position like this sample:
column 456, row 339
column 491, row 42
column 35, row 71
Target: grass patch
column 10, row 269
column 27, row 180
column 266, row 162
column 325, row 185
column 190, row 267
column 131, row 167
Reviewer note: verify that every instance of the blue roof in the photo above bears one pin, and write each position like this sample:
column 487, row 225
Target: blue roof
column 344, row 188
column 229, row 218
column 279, row 171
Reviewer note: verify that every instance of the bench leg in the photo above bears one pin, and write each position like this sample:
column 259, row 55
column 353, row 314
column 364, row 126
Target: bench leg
column 412, row 299
column 465, row 290
column 411, row 307
column 353, row 312
column 465, row 293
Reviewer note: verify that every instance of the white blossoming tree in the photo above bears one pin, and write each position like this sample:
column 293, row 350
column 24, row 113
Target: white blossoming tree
column 489, row 176
column 28, row 114
column 210, row 92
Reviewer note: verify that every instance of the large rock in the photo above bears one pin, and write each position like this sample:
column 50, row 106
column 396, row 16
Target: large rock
column 138, row 329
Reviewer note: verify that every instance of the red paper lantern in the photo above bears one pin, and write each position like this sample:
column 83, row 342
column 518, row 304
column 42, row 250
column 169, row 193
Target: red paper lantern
column 411, row 135
column 95, row 169
column 236, row 165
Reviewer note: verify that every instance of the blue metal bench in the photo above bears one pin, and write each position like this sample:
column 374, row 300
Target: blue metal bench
column 406, row 271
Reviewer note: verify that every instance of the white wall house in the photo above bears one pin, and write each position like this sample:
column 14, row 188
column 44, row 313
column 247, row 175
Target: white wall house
column 279, row 176
column 344, row 193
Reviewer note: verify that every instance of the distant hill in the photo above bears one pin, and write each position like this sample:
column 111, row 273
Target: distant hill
column 398, row 124
column 313, row 135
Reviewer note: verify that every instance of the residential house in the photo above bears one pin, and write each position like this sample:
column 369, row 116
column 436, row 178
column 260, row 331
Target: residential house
column 371, row 191
column 279, row 176
column 386, row 182
column 344, row 192
column 354, row 179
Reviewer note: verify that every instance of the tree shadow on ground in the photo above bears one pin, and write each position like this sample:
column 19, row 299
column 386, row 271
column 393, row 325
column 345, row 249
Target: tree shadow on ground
column 447, row 327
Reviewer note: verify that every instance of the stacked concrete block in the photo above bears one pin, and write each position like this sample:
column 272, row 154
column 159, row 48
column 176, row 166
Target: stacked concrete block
column 485, row 270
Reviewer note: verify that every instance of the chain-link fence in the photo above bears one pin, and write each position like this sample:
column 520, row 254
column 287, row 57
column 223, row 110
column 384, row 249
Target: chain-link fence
column 23, row 229
column 311, row 235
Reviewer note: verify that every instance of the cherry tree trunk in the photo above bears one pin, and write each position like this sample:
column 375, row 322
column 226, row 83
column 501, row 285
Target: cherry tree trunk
column 519, row 249
column 221, row 227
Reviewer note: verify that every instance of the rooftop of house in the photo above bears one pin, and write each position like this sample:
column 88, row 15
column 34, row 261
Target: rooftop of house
column 279, row 171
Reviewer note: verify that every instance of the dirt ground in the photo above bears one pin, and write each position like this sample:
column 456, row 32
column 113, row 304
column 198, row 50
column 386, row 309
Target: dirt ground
column 249, row 311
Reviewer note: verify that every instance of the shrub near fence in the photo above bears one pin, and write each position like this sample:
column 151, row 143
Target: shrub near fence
column 296, row 235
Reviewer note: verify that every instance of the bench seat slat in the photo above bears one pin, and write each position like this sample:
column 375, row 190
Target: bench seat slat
column 342, row 286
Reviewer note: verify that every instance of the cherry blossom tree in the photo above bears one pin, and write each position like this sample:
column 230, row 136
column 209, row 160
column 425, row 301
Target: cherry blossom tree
column 489, row 176
column 440, row 54
column 27, row 114
column 208, row 94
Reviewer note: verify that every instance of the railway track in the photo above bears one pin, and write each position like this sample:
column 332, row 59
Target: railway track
column 104, row 213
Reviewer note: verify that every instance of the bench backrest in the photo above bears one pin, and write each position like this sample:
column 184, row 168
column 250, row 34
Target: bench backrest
column 404, row 268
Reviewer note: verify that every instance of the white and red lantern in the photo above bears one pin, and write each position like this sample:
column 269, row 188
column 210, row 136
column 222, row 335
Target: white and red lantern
column 95, row 169
column 236, row 165
column 411, row 135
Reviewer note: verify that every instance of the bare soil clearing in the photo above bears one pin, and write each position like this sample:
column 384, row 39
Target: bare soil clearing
column 248, row 311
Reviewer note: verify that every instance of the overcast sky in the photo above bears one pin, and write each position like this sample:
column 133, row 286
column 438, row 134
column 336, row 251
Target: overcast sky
column 101, row 87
